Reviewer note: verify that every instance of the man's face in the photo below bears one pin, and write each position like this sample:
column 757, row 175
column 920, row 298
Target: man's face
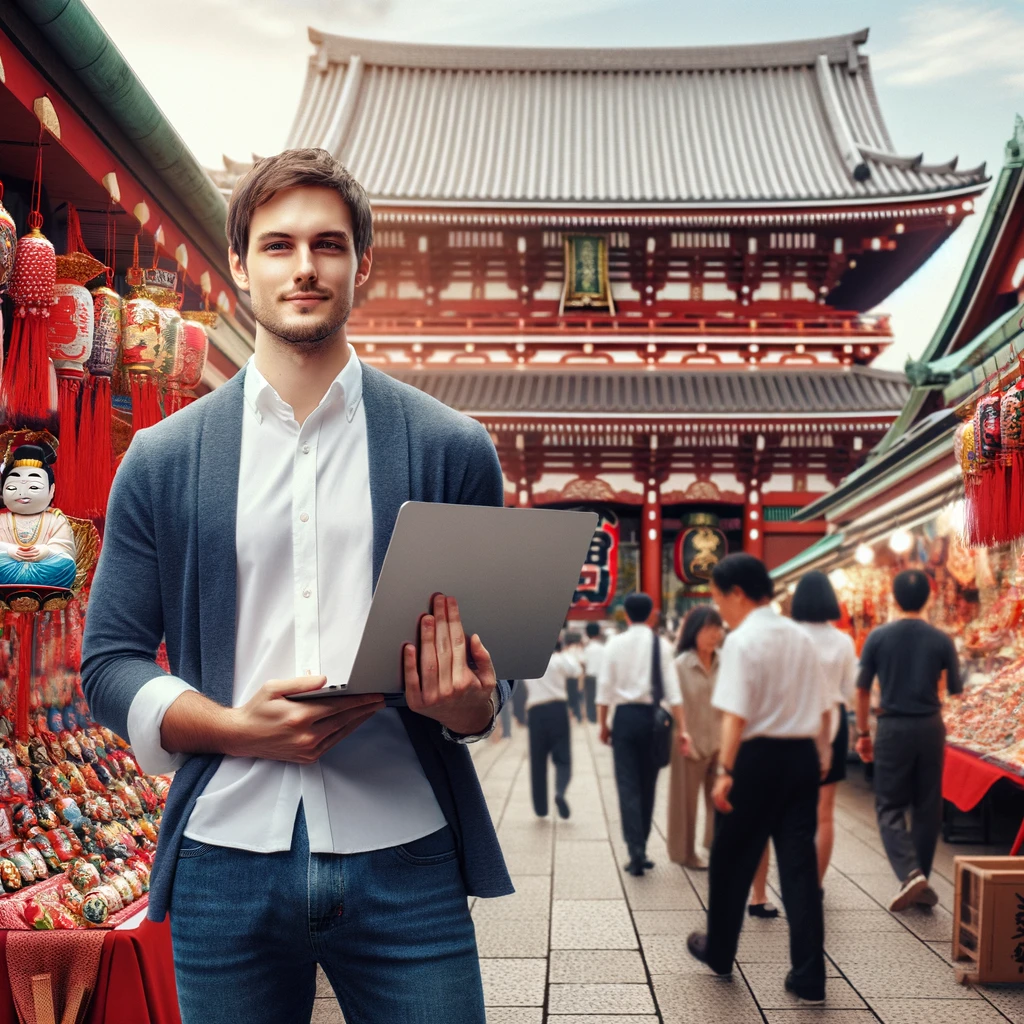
column 730, row 605
column 301, row 270
column 27, row 491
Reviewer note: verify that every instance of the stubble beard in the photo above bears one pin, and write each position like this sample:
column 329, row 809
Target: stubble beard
column 310, row 335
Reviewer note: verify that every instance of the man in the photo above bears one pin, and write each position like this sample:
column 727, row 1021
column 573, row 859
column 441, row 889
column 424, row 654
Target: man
column 574, row 683
column 914, row 663
column 775, row 746
column 637, row 675
column 547, row 710
column 593, row 661
column 249, row 530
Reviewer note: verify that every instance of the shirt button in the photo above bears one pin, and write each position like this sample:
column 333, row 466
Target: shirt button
column 304, row 517
column 307, row 592
column 305, row 449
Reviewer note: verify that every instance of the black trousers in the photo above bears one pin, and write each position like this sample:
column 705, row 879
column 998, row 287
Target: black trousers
column 909, row 755
column 636, row 774
column 549, row 737
column 519, row 701
column 590, row 697
column 774, row 795
column 572, row 690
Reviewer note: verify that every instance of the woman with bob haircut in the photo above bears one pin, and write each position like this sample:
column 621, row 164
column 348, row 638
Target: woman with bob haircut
column 816, row 608
column 775, row 719
column 700, row 636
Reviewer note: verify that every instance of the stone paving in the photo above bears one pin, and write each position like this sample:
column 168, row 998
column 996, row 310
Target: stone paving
column 581, row 942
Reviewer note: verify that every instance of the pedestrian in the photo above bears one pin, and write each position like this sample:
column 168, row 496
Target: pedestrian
column 915, row 663
column 637, row 675
column 518, row 702
column 774, row 721
column 547, row 713
column 249, row 530
column 815, row 606
column 593, row 660
column 700, row 637
column 574, row 684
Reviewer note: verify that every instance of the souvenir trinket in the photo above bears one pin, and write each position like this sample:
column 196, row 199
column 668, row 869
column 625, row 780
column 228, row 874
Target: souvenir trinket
column 10, row 876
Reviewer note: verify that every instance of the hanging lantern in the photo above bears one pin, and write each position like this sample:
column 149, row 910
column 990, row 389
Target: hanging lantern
column 700, row 546
column 1011, row 426
column 106, row 332
column 26, row 385
column 150, row 314
column 599, row 576
column 193, row 351
column 993, row 498
column 970, row 468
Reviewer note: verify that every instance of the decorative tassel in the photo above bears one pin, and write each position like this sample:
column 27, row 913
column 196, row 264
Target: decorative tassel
column 96, row 434
column 23, row 630
column 145, row 402
column 71, row 471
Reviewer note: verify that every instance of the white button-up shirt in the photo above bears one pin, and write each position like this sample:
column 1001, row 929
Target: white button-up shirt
column 626, row 673
column 769, row 674
column 304, row 543
column 593, row 658
column 553, row 685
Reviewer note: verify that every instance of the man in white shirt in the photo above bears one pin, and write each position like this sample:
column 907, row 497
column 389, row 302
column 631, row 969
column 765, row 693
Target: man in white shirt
column 776, row 720
column 637, row 675
column 547, row 711
column 593, row 662
column 249, row 529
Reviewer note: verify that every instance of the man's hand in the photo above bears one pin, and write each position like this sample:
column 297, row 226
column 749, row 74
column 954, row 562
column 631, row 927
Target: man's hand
column 685, row 744
column 720, row 794
column 270, row 726
column 605, row 735
column 865, row 749
column 440, row 683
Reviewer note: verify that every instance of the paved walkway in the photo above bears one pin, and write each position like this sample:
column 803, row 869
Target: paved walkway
column 582, row 943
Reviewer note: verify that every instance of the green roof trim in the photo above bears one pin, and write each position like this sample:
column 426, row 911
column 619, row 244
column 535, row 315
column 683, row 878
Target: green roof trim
column 73, row 31
column 819, row 549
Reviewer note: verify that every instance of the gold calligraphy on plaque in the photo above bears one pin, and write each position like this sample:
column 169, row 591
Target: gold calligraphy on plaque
column 586, row 274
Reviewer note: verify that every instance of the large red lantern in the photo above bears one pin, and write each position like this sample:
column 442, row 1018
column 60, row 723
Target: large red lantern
column 700, row 546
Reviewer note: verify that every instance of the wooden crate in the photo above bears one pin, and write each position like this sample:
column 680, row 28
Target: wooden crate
column 988, row 919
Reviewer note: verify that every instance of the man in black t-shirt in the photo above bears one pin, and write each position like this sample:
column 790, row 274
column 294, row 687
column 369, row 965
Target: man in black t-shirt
column 913, row 662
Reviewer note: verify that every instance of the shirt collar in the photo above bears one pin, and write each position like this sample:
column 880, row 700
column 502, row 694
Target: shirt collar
column 261, row 398
column 759, row 616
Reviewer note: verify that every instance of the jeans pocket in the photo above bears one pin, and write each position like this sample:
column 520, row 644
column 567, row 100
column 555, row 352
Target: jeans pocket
column 437, row 848
column 189, row 848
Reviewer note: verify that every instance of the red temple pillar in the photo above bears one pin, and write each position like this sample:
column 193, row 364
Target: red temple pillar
column 650, row 546
column 753, row 522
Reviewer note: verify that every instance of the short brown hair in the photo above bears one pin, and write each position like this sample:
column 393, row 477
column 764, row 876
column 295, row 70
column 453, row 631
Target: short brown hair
column 295, row 168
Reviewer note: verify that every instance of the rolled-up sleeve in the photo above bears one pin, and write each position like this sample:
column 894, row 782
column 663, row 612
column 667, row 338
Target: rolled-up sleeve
column 146, row 715
column 732, row 690
column 670, row 675
column 606, row 679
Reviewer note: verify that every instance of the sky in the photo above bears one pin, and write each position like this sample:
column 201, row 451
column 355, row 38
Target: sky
column 950, row 76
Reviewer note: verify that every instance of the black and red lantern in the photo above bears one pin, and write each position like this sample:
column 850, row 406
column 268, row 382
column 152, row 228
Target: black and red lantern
column 700, row 546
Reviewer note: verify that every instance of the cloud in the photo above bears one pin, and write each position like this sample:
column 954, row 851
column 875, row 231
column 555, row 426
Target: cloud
column 948, row 41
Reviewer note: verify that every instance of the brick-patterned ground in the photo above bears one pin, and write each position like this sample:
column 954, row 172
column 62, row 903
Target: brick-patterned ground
column 582, row 943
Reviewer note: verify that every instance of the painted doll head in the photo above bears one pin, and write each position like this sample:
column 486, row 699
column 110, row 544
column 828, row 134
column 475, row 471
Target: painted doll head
column 27, row 480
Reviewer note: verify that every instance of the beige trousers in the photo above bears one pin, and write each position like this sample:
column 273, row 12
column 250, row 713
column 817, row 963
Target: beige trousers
column 687, row 780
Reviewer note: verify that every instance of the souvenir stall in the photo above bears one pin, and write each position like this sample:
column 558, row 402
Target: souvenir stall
column 107, row 315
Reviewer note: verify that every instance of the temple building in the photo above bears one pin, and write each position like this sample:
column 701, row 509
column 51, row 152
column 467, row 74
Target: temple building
column 650, row 273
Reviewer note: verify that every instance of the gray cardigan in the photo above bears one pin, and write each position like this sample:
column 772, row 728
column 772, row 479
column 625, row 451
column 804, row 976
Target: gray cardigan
column 167, row 571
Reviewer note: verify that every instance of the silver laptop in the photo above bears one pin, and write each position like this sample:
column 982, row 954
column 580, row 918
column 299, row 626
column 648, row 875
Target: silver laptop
column 513, row 571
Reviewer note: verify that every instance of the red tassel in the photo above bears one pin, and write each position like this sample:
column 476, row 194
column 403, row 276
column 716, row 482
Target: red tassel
column 1015, row 487
column 96, row 439
column 69, row 471
column 145, row 402
column 26, row 391
column 23, row 624
column 972, row 519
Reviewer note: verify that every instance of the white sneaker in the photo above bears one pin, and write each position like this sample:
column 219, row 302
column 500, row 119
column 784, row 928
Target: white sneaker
column 909, row 893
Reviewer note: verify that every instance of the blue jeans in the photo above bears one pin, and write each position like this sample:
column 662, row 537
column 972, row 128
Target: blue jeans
column 390, row 928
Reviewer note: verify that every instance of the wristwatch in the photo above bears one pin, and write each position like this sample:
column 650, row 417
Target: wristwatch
column 722, row 770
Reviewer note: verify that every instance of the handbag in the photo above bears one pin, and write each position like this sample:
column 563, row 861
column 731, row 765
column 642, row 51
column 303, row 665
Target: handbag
column 661, row 738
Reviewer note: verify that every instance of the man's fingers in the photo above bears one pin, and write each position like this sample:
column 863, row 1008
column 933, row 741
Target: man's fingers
column 460, row 671
column 482, row 658
column 428, row 660
column 411, row 674
column 301, row 684
column 443, row 643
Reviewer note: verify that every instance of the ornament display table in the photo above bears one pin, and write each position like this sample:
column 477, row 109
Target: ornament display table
column 135, row 981
column 966, row 778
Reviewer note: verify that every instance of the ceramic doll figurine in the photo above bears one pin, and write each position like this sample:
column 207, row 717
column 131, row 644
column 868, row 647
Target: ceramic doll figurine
column 37, row 545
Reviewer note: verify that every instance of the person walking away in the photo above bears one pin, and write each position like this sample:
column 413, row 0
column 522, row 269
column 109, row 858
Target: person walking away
column 574, row 684
column 914, row 663
column 249, row 530
column 593, row 661
column 638, row 674
column 775, row 720
column 547, row 715
column 815, row 606
column 700, row 636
